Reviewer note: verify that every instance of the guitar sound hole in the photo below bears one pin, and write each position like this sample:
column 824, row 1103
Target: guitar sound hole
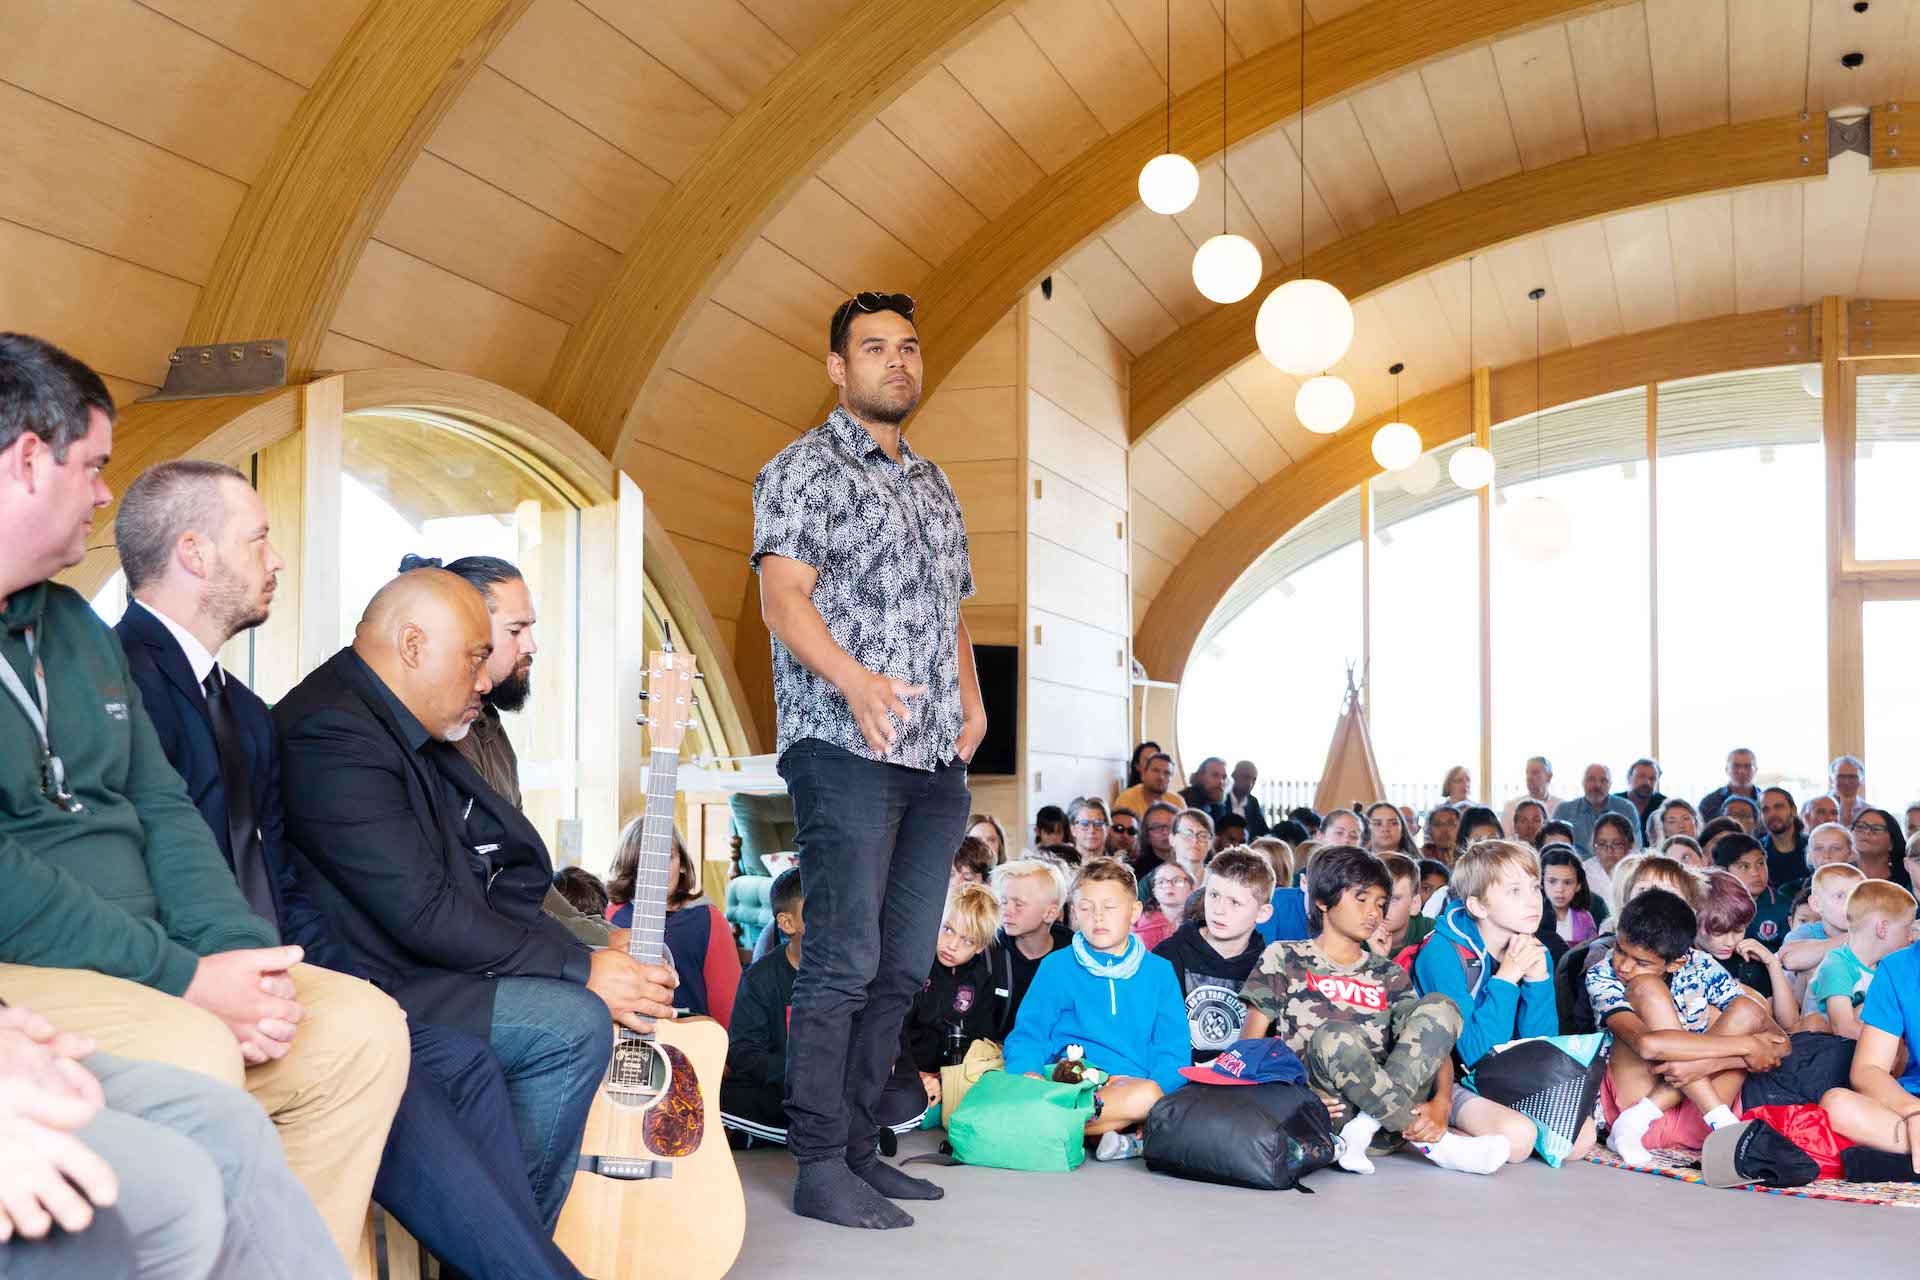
column 638, row 1073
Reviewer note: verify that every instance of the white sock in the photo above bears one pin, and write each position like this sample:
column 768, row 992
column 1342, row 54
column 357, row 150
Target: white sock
column 1626, row 1132
column 1463, row 1154
column 1354, row 1137
column 1720, row 1117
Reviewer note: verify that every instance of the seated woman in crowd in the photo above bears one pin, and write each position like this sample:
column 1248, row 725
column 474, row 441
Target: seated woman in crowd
column 698, row 935
column 1387, row 830
column 986, row 828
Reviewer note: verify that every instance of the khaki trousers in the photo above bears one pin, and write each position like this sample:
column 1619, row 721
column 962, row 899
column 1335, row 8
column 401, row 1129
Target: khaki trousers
column 331, row 1098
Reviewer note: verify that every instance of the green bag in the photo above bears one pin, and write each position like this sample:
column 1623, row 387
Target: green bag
column 1017, row 1122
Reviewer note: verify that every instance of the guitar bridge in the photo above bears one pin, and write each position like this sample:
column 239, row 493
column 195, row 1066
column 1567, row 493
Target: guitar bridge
column 626, row 1170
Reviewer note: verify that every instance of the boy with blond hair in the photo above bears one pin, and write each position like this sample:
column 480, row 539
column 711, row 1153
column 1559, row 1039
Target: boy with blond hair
column 1802, row 955
column 1211, row 959
column 1110, row 995
column 952, row 1008
column 1880, row 918
column 1880, row 1108
column 1032, row 892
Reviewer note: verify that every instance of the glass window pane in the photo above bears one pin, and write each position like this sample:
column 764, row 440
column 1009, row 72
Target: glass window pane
column 1886, row 469
column 1742, row 490
column 474, row 497
column 1571, row 659
column 1426, row 637
column 1269, row 685
column 1892, row 684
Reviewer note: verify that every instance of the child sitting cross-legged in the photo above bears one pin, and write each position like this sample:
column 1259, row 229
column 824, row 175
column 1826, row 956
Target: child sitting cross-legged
column 1684, row 1032
column 1881, row 1109
column 1109, row 994
column 1382, row 1052
column 1212, row 958
column 952, row 1008
column 1879, row 922
column 1484, row 956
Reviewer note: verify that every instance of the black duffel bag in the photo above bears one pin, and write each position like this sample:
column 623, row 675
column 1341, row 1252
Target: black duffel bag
column 1264, row 1136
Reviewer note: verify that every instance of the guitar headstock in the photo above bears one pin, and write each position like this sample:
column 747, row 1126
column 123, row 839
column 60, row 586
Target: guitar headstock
column 669, row 697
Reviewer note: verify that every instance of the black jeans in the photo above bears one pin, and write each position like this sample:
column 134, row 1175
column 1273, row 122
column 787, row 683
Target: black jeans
column 876, row 850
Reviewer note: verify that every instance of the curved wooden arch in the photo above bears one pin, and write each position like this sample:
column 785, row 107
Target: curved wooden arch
column 1166, row 636
column 1186, row 362
column 971, row 291
column 695, row 235
column 302, row 226
column 232, row 429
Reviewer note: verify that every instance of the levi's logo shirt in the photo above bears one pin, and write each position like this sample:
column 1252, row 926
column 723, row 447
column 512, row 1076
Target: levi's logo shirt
column 1301, row 991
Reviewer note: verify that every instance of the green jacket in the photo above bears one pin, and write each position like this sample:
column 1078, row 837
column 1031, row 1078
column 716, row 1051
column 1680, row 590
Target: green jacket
column 134, row 887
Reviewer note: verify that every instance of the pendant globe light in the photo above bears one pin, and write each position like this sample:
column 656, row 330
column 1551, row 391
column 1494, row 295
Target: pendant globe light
column 1227, row 267
column 1323, row 404
column 1169, row 182
column 1537, row 529
column 1396, row 446
column 1421, row 476
column 1305, row 326
column 1472, row 466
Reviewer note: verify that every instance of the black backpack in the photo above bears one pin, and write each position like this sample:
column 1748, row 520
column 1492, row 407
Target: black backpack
column 1264, row 1136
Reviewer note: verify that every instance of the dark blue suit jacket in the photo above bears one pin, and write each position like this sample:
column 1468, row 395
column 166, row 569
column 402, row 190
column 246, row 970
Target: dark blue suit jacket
column 178, row 708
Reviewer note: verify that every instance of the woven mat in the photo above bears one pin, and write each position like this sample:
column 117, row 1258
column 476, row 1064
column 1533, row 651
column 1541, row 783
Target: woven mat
column 1684, row 1166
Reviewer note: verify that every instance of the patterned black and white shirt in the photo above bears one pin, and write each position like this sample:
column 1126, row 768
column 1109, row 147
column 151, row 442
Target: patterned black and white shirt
column 891, row 551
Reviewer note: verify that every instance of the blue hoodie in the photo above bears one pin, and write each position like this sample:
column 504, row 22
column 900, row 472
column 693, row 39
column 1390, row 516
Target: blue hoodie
column 1494, row 1009
column 1131, row 1027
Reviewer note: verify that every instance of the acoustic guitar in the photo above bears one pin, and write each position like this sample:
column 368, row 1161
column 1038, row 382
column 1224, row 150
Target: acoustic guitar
column 657, row 1193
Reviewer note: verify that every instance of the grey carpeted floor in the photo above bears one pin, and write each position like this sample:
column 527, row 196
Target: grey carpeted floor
column 1119, row 1220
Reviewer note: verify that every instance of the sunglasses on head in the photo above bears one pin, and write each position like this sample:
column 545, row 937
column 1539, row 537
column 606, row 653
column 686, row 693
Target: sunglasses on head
column 870, row 302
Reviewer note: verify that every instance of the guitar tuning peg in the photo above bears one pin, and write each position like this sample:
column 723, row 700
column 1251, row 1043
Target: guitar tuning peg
column 644, row 695
column 699, row 675
column 640, row 720
column 693, row 702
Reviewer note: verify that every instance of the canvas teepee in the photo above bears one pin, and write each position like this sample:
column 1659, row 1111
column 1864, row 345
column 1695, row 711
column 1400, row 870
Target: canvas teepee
column 1352, row 774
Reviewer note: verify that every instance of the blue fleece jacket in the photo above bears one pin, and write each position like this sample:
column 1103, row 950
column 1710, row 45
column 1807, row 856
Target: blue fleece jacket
column 1288, row 923
column 1129, row 1027
column 1495, row 1010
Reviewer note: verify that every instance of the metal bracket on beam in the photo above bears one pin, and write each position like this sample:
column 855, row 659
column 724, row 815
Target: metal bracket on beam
column 1850, row 135
column 225, row 369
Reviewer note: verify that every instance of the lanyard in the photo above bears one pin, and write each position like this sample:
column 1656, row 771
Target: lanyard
column 53, row 771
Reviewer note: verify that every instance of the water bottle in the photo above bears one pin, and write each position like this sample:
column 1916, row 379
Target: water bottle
column 956, row 1050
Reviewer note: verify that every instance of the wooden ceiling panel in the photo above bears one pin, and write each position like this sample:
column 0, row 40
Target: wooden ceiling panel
column 953, row 133
column 54, row 288
column 1583, row 277
column 1170, row 489
column 1464, row 91
column 566, row 54
column 1159, row 253
column 1702, row 235
column 1766, row 247
column 1404, row 136
column 1266, row 173
column 1228, row 419
column 1891, row 266
column 1495, row 341
column 1149, row 574
column 900, row 191
column 502, row 134
column 1269, row 394
column 733, row 354
column 1188, row 445
column 78, row 179
column 1201, row 220
column 1836, row 212
column 1423, row 336
column 1008, row 75
column 1687, row 40
column 1543, row 102
column 1065, row 375
column 1367, row 360
column 143, row 73
column 1261, row 26
column 693, row 420
column 717, row 46
column 1641, row 250
column 1615, row 74
column 292, row 39
column 1090, row 46
column 1157, row 531
column 1519, row 268
column 1196, row 36
column 1766, row 58
column 1341, row 167
column 1125, row 306
column 1072, row 318
column 829, row 233
column 801, row 23
column 446, row 216
column 338, row 352
column 1835, row 29
column 412, row 307
column 776, row 291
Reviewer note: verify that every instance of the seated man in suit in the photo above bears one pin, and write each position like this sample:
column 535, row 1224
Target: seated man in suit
column 200, row 567
column 118, row 918
column 434, row 881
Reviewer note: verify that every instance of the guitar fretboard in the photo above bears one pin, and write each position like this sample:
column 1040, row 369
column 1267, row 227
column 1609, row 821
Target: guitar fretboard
column 653, row 877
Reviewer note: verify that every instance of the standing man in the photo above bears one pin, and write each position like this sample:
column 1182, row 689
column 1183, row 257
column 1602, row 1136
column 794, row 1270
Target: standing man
column 1740, row 768
column 1594, row 800
column 1242, row 802
column 1539, row 778
column 862, row 557
column 1207, row 789
column 1844, row 778
column 1783, row 837
column 1643, row 788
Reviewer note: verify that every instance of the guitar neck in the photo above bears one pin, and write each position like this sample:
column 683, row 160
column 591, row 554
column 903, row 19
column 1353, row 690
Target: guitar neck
column 653, row 877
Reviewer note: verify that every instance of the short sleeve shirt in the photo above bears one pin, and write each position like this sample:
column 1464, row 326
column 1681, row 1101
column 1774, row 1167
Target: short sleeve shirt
column 1700, row 985
column 1840, row 974
column 890, row 548
column 1893, row 1005
column 1301, row 990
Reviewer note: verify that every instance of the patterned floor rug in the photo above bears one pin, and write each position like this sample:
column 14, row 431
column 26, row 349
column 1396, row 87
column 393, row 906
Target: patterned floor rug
column 1684, row 1166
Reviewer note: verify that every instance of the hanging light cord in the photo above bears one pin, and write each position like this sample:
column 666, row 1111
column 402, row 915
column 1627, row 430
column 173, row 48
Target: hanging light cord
column 1537, row 463
column 1169, row 77
column 1303, row 138
column 1473, row 428
column 1223, row 114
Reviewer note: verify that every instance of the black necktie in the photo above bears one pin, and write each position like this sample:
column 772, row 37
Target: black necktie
column 243, row 829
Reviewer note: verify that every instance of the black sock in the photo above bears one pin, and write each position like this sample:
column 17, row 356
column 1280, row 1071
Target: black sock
column 896, row 1184
column 1865, row 1164
column 831, row 1192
